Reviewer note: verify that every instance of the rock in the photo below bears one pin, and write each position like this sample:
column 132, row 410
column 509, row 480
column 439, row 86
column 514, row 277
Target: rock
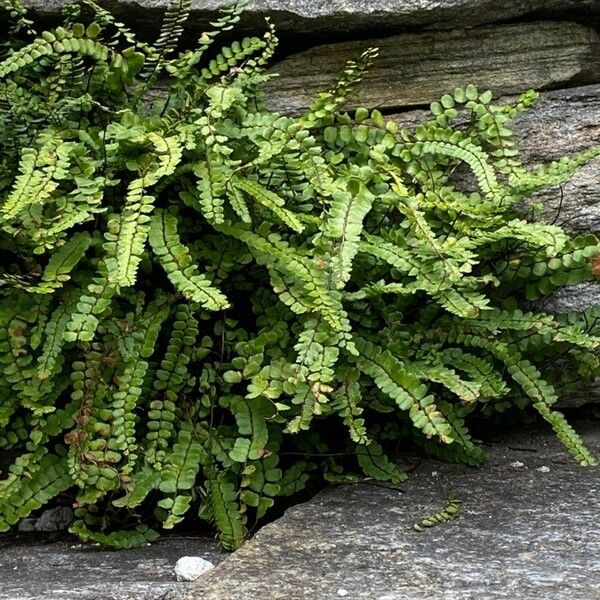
column 337, row 17
column 189, row 568
column 517, row 464
column 416, row 68
column 574, row 298
column 54, row 519
column 521, row 534
column 564, row 122
column 27, row 524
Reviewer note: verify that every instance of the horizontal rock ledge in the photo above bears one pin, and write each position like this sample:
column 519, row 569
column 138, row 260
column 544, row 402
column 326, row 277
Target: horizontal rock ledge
column 527, row 529
column 343, row 17
column 414, row 69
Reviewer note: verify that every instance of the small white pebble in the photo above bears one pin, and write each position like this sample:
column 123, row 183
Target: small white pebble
column 517, row 464
column 544, row 469
column 189, row 568
column 434, row 473
column 342, row 592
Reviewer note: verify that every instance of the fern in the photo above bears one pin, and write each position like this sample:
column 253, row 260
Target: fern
column 451, row 511
column 177, row 262
column 195, row 290
column 271, row 201
column 374, row 463
column 227, row 515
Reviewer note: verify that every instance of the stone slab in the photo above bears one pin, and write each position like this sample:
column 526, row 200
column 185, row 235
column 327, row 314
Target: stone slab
column 53, row 567
column 574, row 297
column 343, row 17
column 562, row 123
column 416, row 68
column 523, row 533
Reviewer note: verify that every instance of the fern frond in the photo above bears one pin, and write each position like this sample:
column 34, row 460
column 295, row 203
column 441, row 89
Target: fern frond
column 374, row 463
column 404, row 388
column 175, row 258
column 270, row 201
column 227, row 514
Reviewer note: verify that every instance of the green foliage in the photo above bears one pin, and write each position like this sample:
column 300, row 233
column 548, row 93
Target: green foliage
column 205, row 306
column 451, row 511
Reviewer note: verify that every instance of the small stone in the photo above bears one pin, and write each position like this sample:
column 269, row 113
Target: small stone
column 544, row 469
column 55, row 519
column 189, row 568
column 517, row 464
column 342, row 593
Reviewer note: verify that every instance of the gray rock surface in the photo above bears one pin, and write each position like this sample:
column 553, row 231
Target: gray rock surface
column 321, row 17
column 416, row 68
column 35, row 567
column 574, row 297
column 55, row 519
column 528, row 529
column 564, row 122
column 524, row 532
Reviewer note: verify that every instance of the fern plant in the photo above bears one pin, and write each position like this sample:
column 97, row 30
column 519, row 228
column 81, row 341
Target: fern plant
column 205, row 306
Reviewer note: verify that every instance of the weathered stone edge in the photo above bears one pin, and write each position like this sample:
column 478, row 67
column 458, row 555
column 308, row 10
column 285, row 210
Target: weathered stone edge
column 343, row 17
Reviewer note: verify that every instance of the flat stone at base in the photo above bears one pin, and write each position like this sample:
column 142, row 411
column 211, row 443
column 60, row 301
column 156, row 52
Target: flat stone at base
column 523, row 533
column 53, row 567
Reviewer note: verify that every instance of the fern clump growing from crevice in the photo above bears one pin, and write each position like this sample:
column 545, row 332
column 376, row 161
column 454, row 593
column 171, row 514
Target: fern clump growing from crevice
column 205, row 305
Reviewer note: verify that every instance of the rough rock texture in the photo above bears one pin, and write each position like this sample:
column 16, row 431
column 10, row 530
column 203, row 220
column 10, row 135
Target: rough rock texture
column 562, row 123
column 53, row 519
column 34, row 567
column 574, row 297
column 522, row 534
column 414, row 69
column 337, row 17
